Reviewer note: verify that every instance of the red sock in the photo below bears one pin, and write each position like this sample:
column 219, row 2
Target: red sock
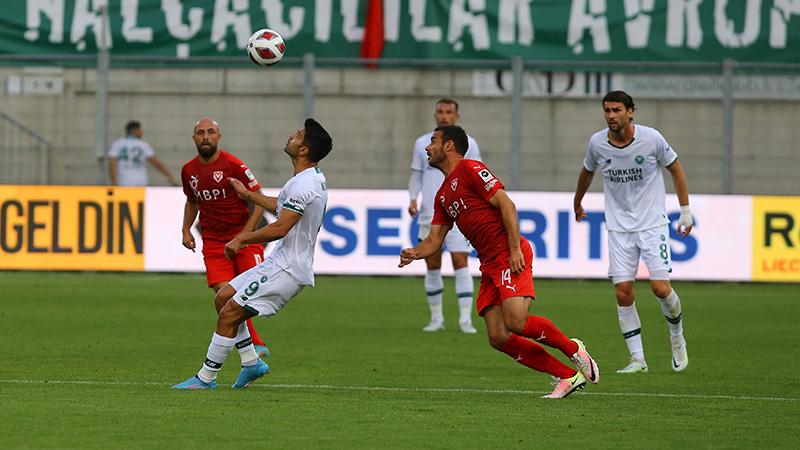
column 254, row 334
column 533, row 355
column 541, row 329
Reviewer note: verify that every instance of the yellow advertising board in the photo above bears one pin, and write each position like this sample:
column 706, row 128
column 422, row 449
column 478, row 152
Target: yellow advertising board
column 71, row 227
column 776, row 238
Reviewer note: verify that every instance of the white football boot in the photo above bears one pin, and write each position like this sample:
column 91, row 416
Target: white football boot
column 466, row 327
column 437, row 324
column 635, row 366
column 680, row 359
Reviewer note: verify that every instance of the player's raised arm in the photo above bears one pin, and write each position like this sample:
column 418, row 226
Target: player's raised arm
column 272, row 232
column 268, row 203
column 427, row 247
column 584, row 181
column 508, row 213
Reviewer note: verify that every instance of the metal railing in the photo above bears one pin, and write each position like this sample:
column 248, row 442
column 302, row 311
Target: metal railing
column 25, row 156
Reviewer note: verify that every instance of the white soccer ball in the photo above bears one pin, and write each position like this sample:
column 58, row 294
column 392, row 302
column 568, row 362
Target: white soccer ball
column 266, row 47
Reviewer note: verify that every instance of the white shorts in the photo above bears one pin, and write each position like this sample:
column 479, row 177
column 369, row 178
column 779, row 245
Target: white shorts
column 264, row 290
column 625, row 249
column 454, row 241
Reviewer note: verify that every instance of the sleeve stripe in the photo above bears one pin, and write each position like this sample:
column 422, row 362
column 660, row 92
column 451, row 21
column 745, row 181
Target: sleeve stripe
column 293, row 208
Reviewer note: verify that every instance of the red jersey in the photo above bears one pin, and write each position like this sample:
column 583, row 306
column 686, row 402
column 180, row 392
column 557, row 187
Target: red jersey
column 222, row 213
column 463, row 198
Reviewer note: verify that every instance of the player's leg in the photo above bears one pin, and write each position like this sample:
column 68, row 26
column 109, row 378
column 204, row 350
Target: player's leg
column 491, row 305
column 244, row 343
column 623, row 261
column 222, row 342
column 657, row 257
column 434, row 288
column 459, row 249
column 517, row 319
column 264, row 294
column 247, row 258
column 539, row 328
column 522, row 350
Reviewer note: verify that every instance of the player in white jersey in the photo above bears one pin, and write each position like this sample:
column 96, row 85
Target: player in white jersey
column 427, row 180
column 630, row 158
column 127, row 156
column 264, row 289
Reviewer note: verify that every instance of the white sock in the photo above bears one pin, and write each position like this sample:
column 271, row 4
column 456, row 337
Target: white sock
column 434, row 286
column 247, row 352
column 218, row 350
column 631, row 329
column 464, row 287
column 671, row 307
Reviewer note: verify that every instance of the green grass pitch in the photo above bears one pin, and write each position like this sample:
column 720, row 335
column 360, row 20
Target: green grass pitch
column 87, row 360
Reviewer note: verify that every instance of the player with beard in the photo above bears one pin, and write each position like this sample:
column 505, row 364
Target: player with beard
column 265, row 289
column 223, row 214
column 475, row 200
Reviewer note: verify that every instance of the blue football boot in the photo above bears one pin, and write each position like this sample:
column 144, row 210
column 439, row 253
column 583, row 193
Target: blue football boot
column 195, row 383
column 262, row 350
column 250, row 374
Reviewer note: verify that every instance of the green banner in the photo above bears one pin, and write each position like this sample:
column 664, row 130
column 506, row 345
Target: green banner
column 636, row 30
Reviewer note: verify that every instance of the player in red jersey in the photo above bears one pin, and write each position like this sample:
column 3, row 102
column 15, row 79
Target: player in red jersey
column 475, row 200
column 223, row 214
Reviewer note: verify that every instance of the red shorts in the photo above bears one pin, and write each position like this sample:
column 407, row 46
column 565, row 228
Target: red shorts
column 499, row 283
column 219, row 268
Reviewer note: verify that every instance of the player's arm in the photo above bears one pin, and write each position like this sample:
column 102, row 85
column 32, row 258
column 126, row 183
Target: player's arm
column 508, row 213
column 584, row 181
column 264, row 201
column 682, row 191
column 414, row 188
column 427, row 247
column 272, row 232
column 255, row 217
column 163, row 169
column 190, row 211
column 112, row 171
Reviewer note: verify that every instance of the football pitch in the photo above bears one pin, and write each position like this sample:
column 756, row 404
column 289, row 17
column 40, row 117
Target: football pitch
column 88, row 359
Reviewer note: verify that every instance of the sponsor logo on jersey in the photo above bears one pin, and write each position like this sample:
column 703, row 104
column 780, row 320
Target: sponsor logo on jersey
column 485, row 175
column 488, row 186
column 625, row 175
column 454, row 184
column 193, row 181
column 249, row 173
column 252, row 184
column 217, row 174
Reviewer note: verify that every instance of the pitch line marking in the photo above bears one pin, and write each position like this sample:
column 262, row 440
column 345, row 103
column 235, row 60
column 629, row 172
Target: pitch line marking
column 407, row 389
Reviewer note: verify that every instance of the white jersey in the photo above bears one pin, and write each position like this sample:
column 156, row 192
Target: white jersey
column 432, row 178
column 131, row 154
column 305, row 193
column 633, row 183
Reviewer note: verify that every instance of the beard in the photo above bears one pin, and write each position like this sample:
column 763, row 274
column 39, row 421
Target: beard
column 206, row 152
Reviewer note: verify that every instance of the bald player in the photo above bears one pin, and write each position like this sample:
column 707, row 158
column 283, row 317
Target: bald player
column 223, row 214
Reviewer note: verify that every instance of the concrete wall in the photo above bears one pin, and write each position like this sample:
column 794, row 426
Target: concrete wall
column 375, row 116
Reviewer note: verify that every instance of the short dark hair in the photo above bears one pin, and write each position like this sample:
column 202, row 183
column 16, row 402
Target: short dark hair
column 132, row 125
column 456, row 134
column 448, row 101
column 317, row 140
column 620, row 97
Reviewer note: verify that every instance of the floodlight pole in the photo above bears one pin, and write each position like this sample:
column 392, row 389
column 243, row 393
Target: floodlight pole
column 516, row 120
column 727, row 125
column 101, row 96
column 308, row 85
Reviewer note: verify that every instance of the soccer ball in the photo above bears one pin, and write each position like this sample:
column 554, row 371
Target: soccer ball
column 265, row 47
